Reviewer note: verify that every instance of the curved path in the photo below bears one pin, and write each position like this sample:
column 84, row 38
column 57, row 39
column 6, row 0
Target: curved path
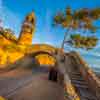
column 21, row 84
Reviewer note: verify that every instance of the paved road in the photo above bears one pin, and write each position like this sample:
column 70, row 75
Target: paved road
column 21, row 84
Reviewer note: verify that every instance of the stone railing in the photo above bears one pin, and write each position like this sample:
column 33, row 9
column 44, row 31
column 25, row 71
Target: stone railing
column 87, row 73
column 64, row 80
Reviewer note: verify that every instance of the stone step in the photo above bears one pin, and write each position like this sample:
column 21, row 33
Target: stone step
column 75, row 78
column 80, row 86
column 86, row 94
column 79, row 82
column 75, row 72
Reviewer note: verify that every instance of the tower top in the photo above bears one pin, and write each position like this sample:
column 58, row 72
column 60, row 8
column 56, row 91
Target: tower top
column 30, row 17
column 27, row 29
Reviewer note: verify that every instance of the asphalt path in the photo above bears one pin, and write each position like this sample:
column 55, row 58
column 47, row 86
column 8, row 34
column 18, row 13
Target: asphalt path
column 25, row 84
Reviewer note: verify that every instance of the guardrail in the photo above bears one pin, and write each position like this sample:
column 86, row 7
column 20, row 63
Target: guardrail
column 64, row 80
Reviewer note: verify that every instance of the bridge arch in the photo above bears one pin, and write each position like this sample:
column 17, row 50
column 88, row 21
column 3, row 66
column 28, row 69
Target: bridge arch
column 44, row 58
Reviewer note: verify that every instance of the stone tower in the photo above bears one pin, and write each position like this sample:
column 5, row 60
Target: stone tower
column 27, row 30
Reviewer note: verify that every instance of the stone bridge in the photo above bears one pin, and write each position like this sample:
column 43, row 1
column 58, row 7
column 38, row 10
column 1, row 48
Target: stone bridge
column 74, row 74
column 70, row 72
column 76, row 77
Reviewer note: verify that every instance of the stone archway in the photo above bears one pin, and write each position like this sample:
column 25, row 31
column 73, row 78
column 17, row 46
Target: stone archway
column 51, row 66
column 44, row 58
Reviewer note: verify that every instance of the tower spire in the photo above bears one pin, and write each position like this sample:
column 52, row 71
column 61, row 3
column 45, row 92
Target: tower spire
column 27, row 30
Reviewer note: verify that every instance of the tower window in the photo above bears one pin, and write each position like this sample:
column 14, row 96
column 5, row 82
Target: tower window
column 32, row 21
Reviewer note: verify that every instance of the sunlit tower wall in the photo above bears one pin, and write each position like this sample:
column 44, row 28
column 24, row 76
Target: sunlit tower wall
column 27, row 30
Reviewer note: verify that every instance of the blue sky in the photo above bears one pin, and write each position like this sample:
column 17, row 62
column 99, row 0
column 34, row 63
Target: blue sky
column 13, row 12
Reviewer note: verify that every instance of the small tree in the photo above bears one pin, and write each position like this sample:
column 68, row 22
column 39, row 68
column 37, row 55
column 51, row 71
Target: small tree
column 80, row 19
column 9, row 34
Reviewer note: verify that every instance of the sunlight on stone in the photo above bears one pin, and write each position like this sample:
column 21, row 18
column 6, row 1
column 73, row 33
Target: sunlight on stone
column 45, row 59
